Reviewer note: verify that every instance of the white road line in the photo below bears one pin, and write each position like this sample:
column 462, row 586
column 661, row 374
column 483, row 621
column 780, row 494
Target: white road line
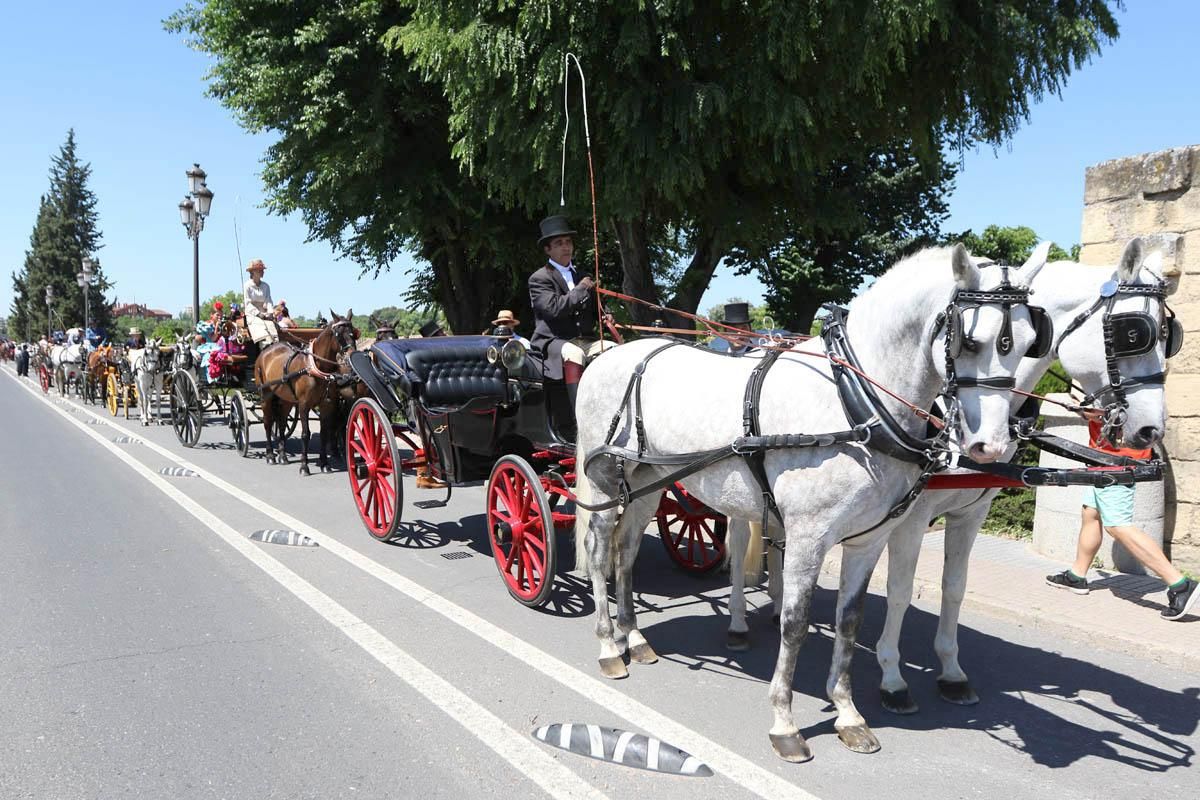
column 736, row 768
column 514, row 747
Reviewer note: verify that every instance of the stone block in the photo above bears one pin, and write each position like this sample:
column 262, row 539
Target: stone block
column 1187, row 525
column 1182, row 439
column 1187, row 479
column 1166, row 171
column 1183, row 395
column 1185, row 557
column 1103, row 253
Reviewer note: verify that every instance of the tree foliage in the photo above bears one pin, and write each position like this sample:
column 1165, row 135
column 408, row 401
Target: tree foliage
column 721, row 129
column 1008, row 244
column 66, row 230
column 363, row 149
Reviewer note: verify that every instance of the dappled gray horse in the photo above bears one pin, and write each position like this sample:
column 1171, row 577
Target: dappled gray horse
column 691, row 402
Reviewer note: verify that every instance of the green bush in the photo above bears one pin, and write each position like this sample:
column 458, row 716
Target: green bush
column 1012, row 510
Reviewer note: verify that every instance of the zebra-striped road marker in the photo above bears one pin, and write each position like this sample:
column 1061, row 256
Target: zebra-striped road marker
column 269, row 536
column 178, row 472
column 622, row 747
column 94, row 421
column 126, row 440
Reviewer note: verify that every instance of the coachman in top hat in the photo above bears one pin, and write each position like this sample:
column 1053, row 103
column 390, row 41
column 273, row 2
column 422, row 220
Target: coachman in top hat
column 564, row 308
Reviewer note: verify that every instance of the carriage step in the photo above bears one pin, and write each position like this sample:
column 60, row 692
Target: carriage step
column 431, row 503
column 292, row 538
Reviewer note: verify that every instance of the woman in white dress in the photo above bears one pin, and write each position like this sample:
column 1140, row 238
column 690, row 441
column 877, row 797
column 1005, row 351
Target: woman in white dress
column 260, row 311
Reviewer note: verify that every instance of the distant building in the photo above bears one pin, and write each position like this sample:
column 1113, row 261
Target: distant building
column 141, row 311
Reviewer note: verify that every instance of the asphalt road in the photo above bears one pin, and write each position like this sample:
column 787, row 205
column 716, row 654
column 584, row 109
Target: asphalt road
column 149, row 648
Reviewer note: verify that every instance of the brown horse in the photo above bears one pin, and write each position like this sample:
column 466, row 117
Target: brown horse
column 99, row 360
column 308, row 377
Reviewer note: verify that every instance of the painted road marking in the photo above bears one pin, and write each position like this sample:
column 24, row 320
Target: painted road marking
column 556, row 779
column 731, row 765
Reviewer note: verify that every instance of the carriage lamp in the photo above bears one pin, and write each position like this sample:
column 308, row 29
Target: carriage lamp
column 84, row 279
column 192, row 211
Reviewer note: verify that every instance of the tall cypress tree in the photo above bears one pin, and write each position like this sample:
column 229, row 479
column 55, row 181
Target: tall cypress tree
column 66, row 230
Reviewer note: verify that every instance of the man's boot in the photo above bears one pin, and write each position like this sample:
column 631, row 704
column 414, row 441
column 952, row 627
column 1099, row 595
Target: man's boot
column 427, row 481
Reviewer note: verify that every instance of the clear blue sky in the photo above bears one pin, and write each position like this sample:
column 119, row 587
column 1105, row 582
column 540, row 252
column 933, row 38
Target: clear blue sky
column 135, row 96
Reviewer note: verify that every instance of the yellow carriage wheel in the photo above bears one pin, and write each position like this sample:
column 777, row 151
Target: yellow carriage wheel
column 110, row 398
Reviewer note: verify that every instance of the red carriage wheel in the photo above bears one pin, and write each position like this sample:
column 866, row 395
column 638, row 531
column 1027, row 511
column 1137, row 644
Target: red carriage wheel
column 692, row 533
column 374, row 468
column 44, row 378
column 521, row 530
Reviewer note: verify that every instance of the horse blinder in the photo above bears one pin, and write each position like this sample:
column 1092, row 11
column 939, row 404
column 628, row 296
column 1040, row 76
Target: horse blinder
column 1134, row 333
column 1043, row 328
column 1172, row 334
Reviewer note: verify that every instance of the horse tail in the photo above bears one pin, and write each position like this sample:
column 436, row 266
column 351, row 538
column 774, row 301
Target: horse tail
column 583, row 492
column 752, row 566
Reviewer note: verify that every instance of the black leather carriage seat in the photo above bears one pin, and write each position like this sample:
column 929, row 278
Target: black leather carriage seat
column 442, row 371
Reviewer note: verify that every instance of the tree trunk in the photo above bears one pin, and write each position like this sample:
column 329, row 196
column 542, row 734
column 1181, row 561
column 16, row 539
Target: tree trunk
column 697, row 276
column 635, row 265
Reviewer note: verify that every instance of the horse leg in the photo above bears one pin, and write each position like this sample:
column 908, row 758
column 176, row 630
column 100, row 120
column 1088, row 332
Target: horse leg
column 599, row 544
column 305, row 434
column 737, row 639
column 282, row 412
column 858, row 562
column 775, row 573
column 962, row 526
column 268, row 420
column 904, row 546
column 803, row 561
column 628, row 538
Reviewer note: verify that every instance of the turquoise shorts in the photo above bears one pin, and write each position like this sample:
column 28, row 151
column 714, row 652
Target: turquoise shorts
column 1115, row 504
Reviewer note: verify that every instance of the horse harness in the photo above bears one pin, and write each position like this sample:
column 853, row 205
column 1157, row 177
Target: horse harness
column 310, row 367
column 1127, row 334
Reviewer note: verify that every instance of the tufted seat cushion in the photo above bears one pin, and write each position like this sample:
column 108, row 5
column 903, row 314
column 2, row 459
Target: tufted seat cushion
column 443, row 371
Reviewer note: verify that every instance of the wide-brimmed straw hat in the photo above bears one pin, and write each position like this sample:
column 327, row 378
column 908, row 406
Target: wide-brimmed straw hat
column 135, row 331
column 256, row 263
column 506, row 317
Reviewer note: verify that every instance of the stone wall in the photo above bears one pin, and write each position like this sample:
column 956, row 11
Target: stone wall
column 1157, row 195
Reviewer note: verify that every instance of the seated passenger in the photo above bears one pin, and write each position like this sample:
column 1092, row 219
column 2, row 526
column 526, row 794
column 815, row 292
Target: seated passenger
column 506, row 325
column 283, row 318
column 136, row 340
column 259, row 310
column 564, row 308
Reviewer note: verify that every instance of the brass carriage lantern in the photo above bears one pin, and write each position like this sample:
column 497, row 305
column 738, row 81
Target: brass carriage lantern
column 192, row 211
column 84, row 279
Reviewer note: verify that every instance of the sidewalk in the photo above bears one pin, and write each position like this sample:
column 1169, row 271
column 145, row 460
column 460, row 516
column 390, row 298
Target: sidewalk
column 1007, row 580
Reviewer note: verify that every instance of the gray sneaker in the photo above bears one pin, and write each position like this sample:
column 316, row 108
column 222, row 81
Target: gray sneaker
column 1180, row 601
column 1065, row 580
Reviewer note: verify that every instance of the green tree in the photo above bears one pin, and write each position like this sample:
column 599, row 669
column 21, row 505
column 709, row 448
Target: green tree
column 713, row 124
column 362, row 149
column 1010, row 245
column 66, row 230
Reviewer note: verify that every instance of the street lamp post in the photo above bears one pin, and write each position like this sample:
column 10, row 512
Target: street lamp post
column 84, row 279
column 49, row 300
column 192, row 210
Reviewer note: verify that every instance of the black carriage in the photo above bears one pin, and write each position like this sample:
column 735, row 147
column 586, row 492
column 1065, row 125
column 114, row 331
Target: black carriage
column 471, row 408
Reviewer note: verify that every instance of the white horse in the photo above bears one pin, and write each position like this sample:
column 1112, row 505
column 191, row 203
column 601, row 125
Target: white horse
column 1064, row 290
column 145, row 364
column 693, row 401
column 69, row 361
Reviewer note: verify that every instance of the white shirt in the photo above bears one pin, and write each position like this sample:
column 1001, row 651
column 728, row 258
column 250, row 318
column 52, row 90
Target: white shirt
column 256, row 299
column 565, row 272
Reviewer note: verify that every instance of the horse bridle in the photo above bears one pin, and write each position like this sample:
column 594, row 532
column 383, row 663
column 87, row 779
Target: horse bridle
column 1127, row 334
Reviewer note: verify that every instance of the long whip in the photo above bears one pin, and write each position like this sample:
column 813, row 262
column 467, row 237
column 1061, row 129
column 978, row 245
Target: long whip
column 562, row 191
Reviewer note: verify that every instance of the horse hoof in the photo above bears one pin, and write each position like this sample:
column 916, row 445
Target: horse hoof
column 899, row 702
column 613, row 668
column 305, row 471
column 737, row 641
column 643, row 654
column 791, row 747
column 958, row 692
column 858, row 738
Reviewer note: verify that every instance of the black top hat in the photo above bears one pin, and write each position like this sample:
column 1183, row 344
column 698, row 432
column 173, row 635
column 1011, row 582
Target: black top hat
column 737, row 313
column 432, row 328
column 553, row 227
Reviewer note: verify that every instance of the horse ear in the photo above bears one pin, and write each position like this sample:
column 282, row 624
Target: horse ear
column 333, row 314
column 350, row 313
column 1131, row 261
column 966, row 274
column 1037, row 259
